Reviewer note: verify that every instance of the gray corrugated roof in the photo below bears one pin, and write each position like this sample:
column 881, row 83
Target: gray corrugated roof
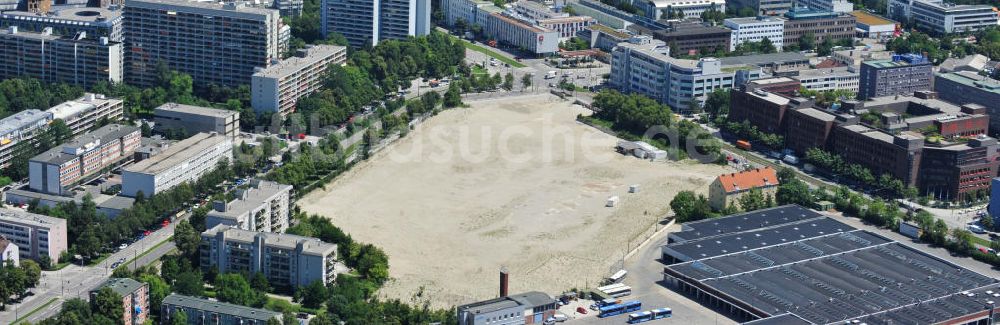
column 219, row 307
column 743, row 221
column 760, row 59
column 105, row 134
column 121, row 286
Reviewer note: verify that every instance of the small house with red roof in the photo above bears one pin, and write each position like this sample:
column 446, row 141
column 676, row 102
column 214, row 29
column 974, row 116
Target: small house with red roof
column 728, row 188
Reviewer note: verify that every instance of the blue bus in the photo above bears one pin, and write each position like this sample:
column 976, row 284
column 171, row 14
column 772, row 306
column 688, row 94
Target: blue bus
column 640, row 317
column 662, row 313
column 618, row 309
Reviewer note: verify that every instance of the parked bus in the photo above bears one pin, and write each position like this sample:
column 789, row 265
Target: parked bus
column 619, row 292
column 618, row 276
column 618, row 309
column 662, row 313
column 609, row 287
column 640, row 317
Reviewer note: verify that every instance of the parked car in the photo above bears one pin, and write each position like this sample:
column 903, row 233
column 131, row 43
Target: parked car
column 122, row 246
column 976, row 229
column 581, row 310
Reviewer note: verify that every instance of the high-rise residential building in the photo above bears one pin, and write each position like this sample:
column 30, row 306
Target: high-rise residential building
column 821, row 24
column 83, row 113
column 81, row 61
column 761, row 7
column 18, row 131
column 263, row 207
column 279, row 87
column 190, row 119
column 937, row 16
column 289, row 8
column 183, row 161
column 756, row 29
column 215, row 43
column 678, row 9
column 60, row 168
column 135, row 299
column 69, row 22
column 901, row 75
column 966, row 87
column 287, row 261
column 841, row 6
column 202, row 311
column 369, row 22
column 646, row 68
column 519, row 33
column 35, row 235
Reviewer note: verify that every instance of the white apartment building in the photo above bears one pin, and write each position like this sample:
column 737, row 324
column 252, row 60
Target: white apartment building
column 937, row 16
column 196, row 119
column 262, row 208
column 755, row 29
column 82, row 114
column 20, row 127
column 286, row 260
column 35, row 235
column 183, row 161
column 647, row 69
column 567, row 27
column 518, row 33
column 841, row 78
column 216, row 43
column 279, row 87
column 9, row 252
column 60, row 168
column 369, row 22
column 656, row 9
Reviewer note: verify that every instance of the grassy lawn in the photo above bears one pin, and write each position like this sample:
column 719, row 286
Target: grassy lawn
column 100, row 259
column 496, row 55
column 46, row 305
column 476, row 69
column 981, row 241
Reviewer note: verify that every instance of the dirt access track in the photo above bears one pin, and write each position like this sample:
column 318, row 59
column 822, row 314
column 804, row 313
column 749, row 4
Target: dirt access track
column 513, row 182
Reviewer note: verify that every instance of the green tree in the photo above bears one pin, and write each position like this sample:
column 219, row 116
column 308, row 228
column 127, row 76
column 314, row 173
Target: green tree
column 754, row 200
column 108, row 303
column 508, row 81
column 314, row 294
column 766, row 46
column 825, row 48
column 234, row 288
column 453, row 97
column 807, row 41
column 526, row 81
column 32, row 272
column 179, row 317
column 690, row 207
column 187, row 239
column 189, row 283
column 158, row 289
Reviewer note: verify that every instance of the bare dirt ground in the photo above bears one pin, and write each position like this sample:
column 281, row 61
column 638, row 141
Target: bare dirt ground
column 515, row 182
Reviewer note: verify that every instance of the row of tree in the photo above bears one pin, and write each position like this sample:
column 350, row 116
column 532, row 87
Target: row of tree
column 894, row 187
column 18, row 94
column 89, row 232
column 748, row 131
column 105, row 309
column 16, row 280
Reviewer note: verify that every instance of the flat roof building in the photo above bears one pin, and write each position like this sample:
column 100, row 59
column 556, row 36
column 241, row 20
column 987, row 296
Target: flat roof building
column 190, row 119
column 842, row 6
column 183, row 161
column 263, row 207
column 761, row 7
column 279, row 87
column 82, row 114
column 940, row 17
column 806, row 269
column 20, row 127
column 967, row 87
column 694, row 36
column 901, row 75
column 658, row 9
column 69, row 22
column 870, row 25
column 57, row 170
column 520, row 33
column 756, row 29
column 840, row 78
column 822, row 24
column 200, row 311
column 604, row 14
column 288, row 261
column 135, row 299
column 526, row 308
column 82, row 61
column 243, row 38
column 370, row 22
column 35, row 235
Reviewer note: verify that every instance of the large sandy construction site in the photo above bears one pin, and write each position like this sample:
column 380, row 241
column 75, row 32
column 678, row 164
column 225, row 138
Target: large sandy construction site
column 515, row 182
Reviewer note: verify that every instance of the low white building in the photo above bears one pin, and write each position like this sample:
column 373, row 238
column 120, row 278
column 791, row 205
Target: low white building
column 278, row 87
column 522, row 34
column 9, row 252
column 843, row 6
column 83, row 113
column 567, row 27
column 937, row 16
column 183, row 161
column 263, row 207
column 756, row 29
column 657, row 9
column 841, row 78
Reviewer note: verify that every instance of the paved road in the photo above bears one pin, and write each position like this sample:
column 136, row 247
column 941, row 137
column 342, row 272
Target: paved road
column 75, row 281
